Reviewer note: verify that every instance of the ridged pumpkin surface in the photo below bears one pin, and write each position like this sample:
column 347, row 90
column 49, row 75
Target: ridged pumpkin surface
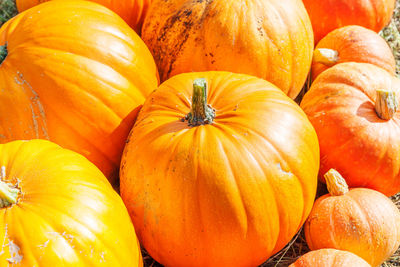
column 132, row 11
column 270, row 39
column 67, row 213
column 356, row 44
column 76, row 74
column 362, row 221
column 229, row 193
column 329, row 258
column 328, row 15
column 353, row 139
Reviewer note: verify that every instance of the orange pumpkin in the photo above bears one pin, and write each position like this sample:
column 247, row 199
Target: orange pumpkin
column 352, row 107
column 132, row 11
column 75, row 73
column 328, row 15
column 270, row 39
column 362, row 221
column 329, row 258
column 58, row 209
column 224, row 184
column 352, row 44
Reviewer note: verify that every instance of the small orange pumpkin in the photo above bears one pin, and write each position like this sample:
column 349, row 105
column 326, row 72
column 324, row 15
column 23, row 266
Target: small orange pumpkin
column 224, row 184
column 328, row 15
column 270, row 39
column 58, row 209
column 360, row 220
column 73, row 72
column 329, row 258
column 352, row 44
column 132, row 11
column 353, row 108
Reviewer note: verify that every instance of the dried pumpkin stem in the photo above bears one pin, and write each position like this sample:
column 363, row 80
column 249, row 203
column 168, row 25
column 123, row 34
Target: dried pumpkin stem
column 335, row 183
column 8, row 194
column 326, row 56
column 385, row 104
column 200, row 112
column 3, row 53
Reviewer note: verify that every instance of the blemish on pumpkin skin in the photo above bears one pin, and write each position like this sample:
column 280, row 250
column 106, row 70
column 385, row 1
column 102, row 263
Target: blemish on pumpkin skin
column 14, row 249
column 36, row 107
column 282, row 170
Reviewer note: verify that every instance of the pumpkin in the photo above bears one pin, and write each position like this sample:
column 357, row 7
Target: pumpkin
column 132, row 11
column 327, row 15
column 58, row 209
column 74, row 73
column 352, row 44
column 270, row 39
column 352, row 107
column 329, row 258
column 220, row 169
column 360, row 220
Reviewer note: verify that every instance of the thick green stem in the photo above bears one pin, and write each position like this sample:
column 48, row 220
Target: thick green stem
column 335, row 183
column 3, row 53
column 385, row 104
column 326, row 56
column 8, row 193
column 200, row 112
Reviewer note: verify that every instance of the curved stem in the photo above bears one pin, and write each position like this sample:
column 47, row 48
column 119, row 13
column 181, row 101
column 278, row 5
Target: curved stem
column 326, row 56
column 200, row 112
column 335, row 183
column 385, row 104
column 8, row 193
column 3, row 53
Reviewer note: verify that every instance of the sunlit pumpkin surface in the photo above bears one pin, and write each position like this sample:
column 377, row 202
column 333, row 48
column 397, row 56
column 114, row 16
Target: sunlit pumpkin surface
column 74, row 73
column 327, row 15
column 230, row 193
column 360, row 220
column 353, row 139
column 132, row 11
column 270, row 39
column 67, row 213
column 355, row 44
column 330, row 258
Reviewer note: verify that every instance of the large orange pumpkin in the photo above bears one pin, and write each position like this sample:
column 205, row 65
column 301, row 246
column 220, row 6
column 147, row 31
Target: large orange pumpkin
column 58, row 209
column 75, row 73
column 270, row 39
column 132, row 11
column 224, row 184
column 328, row 15
column 362, row 221
column 352, row 107
column 329, row 258
column 352, row 44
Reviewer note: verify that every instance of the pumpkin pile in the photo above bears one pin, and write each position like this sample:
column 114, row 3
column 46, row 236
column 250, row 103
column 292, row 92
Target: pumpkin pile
column 170, row 125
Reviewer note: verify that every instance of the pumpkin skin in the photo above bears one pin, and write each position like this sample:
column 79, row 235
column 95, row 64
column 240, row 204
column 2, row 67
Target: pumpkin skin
column 132, row 11
column 270, row 39
column 229, row 185
column 328, row 15
column 353, row 139
column 67, row 213
column 75, row 74
column 360, row 220
column 355, row 44
column 329, row 258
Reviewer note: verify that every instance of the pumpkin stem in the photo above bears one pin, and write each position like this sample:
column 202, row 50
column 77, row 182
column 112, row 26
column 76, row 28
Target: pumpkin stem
column 335, row 183
column 3, row 53
column 326, row 56
column 200, row 112
column 8, row 193
column 385, row 104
